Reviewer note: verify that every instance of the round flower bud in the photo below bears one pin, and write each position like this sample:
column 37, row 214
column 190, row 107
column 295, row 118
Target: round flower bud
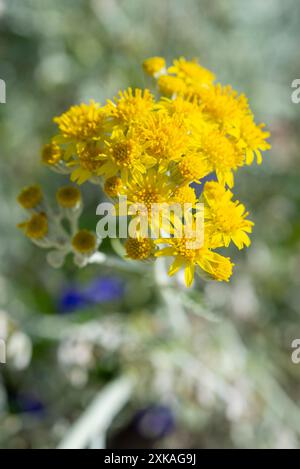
column 36, row 227
column 68, row 196
column 84, row 242
column 51, row 154
column 30, row 197
column 154, row 65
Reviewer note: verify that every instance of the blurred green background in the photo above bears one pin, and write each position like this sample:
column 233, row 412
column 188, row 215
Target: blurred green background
column 246, row 392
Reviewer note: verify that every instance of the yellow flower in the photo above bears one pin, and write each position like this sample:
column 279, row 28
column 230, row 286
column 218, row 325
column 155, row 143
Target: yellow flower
column 189, row 110
column 192, row 167
column 184, row 195
column 218, row 267
column 84, row 242
column 191, row 71
column 68, row 196
column 51, row 154
column 215, row 190
column 148, row 189
column 30, row 197
column 113, row 186
column 218, row 153
column 123, row 155
column 154, row 65
column 169, row 85
column 143, row 192
column 164, row 137
column 81, row 123
column 139, row 248
column 87, row 162
column 130, row 106
column 223, row 105
column 252, row 139
column 36, row 227
column 225, row 220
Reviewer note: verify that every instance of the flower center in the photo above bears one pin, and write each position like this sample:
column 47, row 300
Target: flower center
column 139, row 249
column 123, row 154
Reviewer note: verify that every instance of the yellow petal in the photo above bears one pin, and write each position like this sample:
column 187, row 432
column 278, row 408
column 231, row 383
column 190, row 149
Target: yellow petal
column 189, row 272
column 177, row 264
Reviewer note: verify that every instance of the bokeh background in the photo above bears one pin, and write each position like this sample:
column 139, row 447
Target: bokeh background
column 227, row 379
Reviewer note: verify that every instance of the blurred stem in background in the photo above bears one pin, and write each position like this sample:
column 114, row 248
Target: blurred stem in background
column 90, row 429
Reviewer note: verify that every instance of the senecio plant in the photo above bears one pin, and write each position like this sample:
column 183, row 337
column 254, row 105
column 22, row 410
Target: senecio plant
column 154, row 150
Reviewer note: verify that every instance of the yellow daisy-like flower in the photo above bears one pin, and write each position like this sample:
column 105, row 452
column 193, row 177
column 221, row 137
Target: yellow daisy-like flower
column 87, row 162
column 218, row 267
column 225, row 220
column 130, row 106
column 223, row 105
column 252, row 139
column 123, row 155
column 139, row 248
column 84, row 242
column 30, row 197
column 36, row 227
column 191, row 71
column 81, row 123
column 218, row 153
column 164, row 137
column 184, row 195
column 148, row 189
column 51, row 154
column 189, row 110
column 143, row 192
column 154, row 65
column 68, row 197
column 169, row 85
column 192, row 167
column 113, row 186
column 215, row 190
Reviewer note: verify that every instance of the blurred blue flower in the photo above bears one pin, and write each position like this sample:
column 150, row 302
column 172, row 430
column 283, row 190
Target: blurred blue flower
column 155, row 421
column 30, row 403
column 198, row 188
column 70, row 300
column 100, row 290
column 104, row 289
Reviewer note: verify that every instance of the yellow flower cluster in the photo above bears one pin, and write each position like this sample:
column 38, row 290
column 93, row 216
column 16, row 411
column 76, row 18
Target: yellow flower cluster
column 151, row 149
